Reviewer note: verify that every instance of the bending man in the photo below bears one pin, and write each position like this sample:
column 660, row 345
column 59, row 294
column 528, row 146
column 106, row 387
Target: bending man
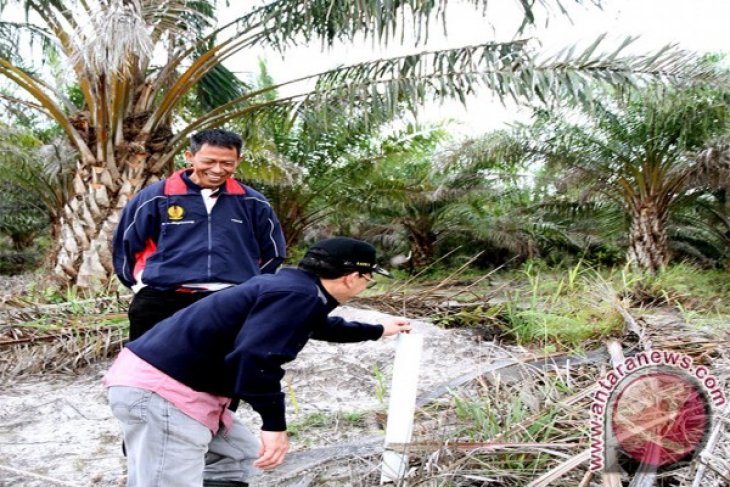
column 170, row 389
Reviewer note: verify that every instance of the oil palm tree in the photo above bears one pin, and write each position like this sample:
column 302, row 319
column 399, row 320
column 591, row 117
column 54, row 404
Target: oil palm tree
column 649, row 155
column 501, row 215
column 35, row 180
column 135, row 62
column 429, row 191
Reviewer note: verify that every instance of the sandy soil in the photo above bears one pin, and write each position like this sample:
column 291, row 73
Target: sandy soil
column 58, row 430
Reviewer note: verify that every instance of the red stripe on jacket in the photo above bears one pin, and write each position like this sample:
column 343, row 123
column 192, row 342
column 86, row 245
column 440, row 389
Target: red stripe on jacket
column 140, row 258
column 174, row 185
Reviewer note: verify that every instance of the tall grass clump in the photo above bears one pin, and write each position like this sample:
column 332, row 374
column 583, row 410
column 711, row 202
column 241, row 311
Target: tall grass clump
column 558, row 310
column 680, row 285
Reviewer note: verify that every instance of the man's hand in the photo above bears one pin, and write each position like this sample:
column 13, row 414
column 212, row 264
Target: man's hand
column 274, row 445
column 393, row 326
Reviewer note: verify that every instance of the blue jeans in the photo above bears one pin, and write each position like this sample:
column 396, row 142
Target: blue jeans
column 167, row 448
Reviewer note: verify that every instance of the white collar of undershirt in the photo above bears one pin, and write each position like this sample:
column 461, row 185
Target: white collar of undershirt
column 210, row 196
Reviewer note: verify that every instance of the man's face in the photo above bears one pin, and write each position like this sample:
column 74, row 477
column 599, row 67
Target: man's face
column 348, row 286
column 212, row 165
column 362, row 282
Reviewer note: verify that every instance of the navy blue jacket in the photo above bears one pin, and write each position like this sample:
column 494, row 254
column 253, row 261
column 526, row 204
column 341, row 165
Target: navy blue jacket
column 166, row 231
column 234, row 342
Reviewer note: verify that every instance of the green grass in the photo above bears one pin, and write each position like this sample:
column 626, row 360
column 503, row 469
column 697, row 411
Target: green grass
column 300, row 428
column 548, row 308
column 314, row 420
column 438, row 274
column 381, row 388
column 561, row 311
column 568, row 308
column 503, row 415
column 692, row 288
column 563, row 327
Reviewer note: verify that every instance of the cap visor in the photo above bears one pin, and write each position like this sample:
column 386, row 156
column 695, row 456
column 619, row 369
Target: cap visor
column 379, row 270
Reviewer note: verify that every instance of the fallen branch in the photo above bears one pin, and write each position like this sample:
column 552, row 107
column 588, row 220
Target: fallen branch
column 711, row 442
column 586, row 479
column 50, row 336
column 482, row 446
column 567, row 466
column 510, row 368
column 298, row 463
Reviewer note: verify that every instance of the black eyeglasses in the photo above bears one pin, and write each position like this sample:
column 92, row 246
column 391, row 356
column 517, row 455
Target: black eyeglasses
column 371, row 282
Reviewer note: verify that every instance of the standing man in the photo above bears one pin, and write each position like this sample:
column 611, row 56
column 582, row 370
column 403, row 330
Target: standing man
column 194, row 233
column 170, row 389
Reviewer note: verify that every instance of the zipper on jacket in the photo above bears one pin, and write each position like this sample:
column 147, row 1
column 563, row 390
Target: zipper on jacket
column 210, row 244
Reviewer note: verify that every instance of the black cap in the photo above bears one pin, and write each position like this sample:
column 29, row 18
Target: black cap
column 347, row 254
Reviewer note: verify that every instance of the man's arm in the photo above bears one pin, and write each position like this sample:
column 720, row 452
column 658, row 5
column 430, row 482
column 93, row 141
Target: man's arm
column 338, row 330
column 393, row 326
column 135, row 237
column 276, row 329
column 270, row 238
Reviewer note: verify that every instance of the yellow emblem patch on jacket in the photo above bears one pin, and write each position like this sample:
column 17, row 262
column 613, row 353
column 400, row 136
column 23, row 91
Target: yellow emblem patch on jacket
column 175, row 212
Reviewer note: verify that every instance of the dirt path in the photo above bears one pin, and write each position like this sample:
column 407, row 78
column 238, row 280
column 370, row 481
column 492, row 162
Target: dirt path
column 61, row 428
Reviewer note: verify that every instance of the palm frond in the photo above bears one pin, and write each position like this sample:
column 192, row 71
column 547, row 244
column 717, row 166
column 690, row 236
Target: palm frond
column 699, row 229
column 581, row 217
column 283, row 23
column 494, row 159
column 14, row 34
column 510, row 70
column 45, row 171
column 712, row 166
column 268, row 167
column 218, row 86
column 40, row 93
column 183, row 18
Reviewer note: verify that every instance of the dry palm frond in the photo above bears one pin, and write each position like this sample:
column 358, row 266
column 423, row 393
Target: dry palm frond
column 65, row 337
column 529, row 452
column 549, row 477
column 435, row 299
column 712, row 167
column 61, row 351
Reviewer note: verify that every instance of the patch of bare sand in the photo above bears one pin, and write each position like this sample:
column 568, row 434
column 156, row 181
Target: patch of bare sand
column 61, row 427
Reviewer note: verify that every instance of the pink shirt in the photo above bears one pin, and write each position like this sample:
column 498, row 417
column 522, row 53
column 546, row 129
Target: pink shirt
column 131, row 371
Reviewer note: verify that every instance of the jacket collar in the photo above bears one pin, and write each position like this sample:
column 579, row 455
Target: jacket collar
column 329, row 301
column 179, row 183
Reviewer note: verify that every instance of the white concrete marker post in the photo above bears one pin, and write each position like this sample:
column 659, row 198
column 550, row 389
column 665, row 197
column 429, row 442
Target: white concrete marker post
column 402, row 405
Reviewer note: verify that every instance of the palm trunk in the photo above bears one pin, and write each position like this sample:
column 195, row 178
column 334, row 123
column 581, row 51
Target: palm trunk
column 648, row 242
column 422, row 248
column 90, row 217
column 724, row 197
